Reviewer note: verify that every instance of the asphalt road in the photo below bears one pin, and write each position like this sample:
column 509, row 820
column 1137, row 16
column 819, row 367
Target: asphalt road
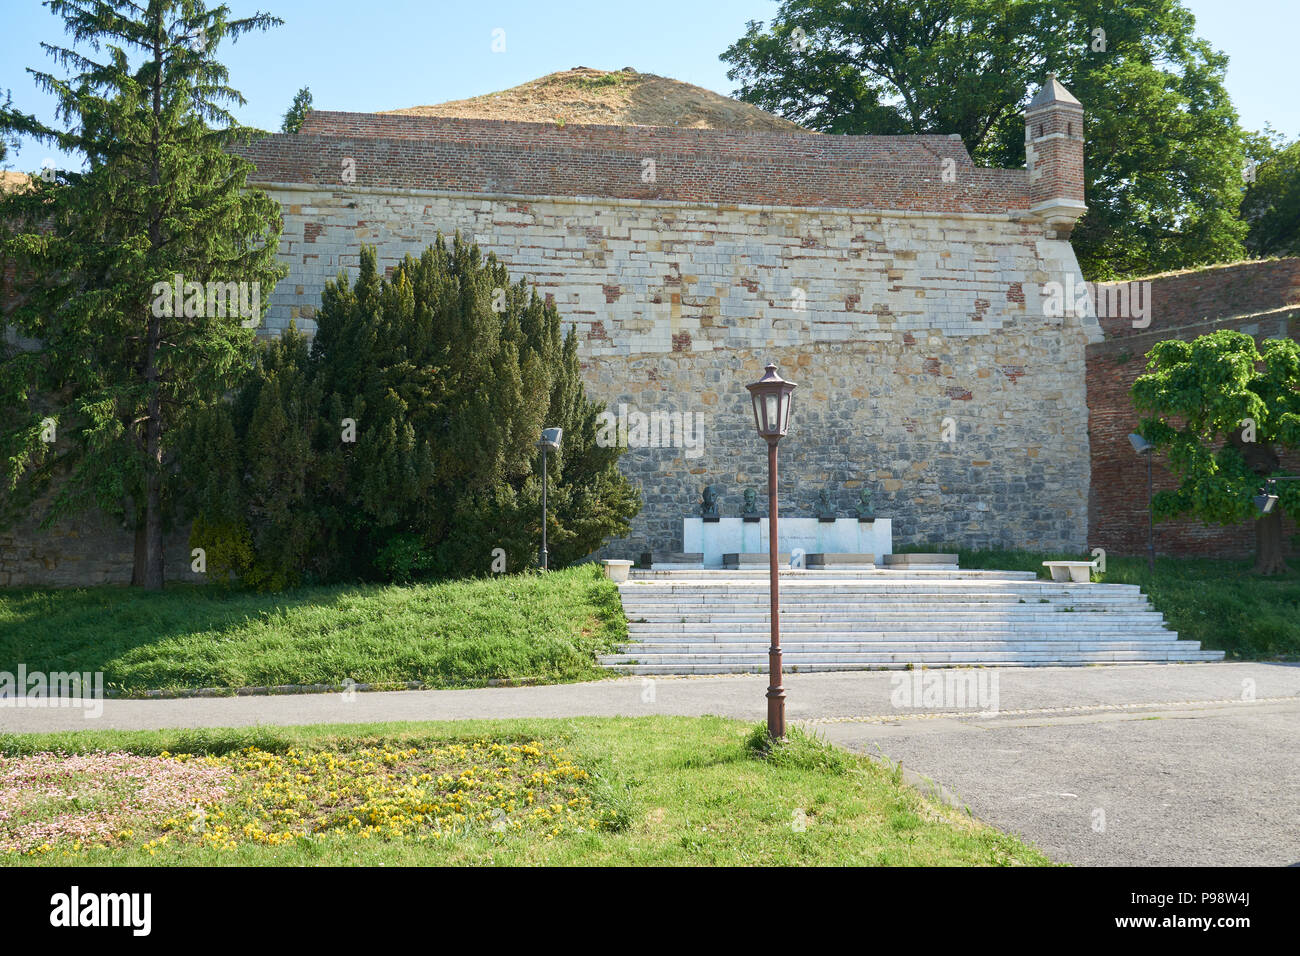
column 1191, row 764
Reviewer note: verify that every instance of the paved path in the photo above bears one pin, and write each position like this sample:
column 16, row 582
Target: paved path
column 1148, row 765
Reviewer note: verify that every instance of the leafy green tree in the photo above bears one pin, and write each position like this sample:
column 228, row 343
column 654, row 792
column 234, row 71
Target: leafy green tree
column 298, row 111
column 1224, row 412
column 117, row 365
column 1164, row 152
column 404, row 444
column 1271, row 205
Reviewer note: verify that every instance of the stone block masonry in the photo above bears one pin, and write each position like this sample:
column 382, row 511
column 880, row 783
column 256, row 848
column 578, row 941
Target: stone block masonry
column 891, row 322
column 82, row 551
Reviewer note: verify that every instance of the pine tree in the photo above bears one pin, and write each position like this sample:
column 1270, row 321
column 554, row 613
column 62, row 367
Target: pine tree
column 297, row 113
column 120, row 365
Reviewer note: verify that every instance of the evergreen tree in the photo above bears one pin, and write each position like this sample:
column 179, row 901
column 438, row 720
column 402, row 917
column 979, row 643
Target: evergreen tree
column 119, row 366
column 297, row 113
column 405, row 444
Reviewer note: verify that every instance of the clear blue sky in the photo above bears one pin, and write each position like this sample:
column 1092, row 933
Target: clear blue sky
column 387, row 54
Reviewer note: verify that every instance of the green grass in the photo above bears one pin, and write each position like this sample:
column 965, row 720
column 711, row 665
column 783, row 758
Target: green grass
column 667, row 791
column 1223, row 604
column 522, row 628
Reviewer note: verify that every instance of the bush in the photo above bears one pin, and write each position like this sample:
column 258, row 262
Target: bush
column 401, row 444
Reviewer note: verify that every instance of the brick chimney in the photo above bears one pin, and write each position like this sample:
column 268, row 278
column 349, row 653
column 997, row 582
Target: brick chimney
column 1054, row 157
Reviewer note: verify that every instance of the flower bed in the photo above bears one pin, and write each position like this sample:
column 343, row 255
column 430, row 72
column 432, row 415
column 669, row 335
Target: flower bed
column 54, row 802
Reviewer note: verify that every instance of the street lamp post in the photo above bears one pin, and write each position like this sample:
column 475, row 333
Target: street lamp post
column 550, row 441
column 771, row 397
column 1144, row 447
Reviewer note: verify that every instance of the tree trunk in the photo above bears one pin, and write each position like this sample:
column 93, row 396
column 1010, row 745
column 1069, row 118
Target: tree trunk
column 153, row 525
column 141, row 558
column 1268, row 543
column 153, row 570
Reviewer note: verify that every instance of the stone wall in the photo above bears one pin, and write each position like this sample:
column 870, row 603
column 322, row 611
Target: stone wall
column 873, row 413
column 890, row 322
column 82, row 551
column 900, row 285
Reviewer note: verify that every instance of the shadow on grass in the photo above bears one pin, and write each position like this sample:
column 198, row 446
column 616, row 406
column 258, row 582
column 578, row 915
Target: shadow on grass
column 88, row 628
column 462, row 633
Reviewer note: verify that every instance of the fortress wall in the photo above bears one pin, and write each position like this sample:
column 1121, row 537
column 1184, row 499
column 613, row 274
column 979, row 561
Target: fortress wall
column 896, row 282
column 890, row 323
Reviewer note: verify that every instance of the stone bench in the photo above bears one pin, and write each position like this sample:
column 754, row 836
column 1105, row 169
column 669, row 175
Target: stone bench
column 759, row 559
column 1079, row 572
column 823, row 561
column 921, row 562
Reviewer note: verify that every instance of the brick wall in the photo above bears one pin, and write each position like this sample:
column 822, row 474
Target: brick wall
column 1215, row 292
column 690, row 165
column 1247, row 297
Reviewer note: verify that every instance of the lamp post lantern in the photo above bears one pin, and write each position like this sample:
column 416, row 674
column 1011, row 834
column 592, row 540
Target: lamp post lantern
column 550, row 441
column 771, row 397
column 1145, row 448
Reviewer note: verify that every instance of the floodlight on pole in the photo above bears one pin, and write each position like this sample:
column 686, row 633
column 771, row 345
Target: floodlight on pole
column 1146, row 449
column 550, row 441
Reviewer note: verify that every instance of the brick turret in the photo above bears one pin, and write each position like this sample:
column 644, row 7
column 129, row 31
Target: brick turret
column 1054, row 156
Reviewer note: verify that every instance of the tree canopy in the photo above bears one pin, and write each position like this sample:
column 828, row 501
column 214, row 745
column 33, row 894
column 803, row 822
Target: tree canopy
column 1163, row 154
column 1271, row 205
column 1223, row 412
column 116, row 363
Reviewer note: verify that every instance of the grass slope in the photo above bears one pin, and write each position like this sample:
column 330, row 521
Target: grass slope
column 527, row 628
column 676, row 791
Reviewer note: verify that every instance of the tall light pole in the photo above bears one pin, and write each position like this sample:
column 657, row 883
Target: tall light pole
column 1144, row 447
column 550, row 441
column 771, row 397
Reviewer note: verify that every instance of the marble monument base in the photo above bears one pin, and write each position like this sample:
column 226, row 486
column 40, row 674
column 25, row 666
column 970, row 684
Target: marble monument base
column 797, row 536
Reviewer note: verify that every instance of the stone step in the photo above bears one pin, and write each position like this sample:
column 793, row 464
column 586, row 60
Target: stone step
column 801, row 585
column 717, row 622
column 829, row 615
column 787, row 573
column 1067, row 622
column 901, row 611
column 685, row 598
column 796, row 663
column 848, row 649
column 832, row 613
column 906, row 662
column 919, row 637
